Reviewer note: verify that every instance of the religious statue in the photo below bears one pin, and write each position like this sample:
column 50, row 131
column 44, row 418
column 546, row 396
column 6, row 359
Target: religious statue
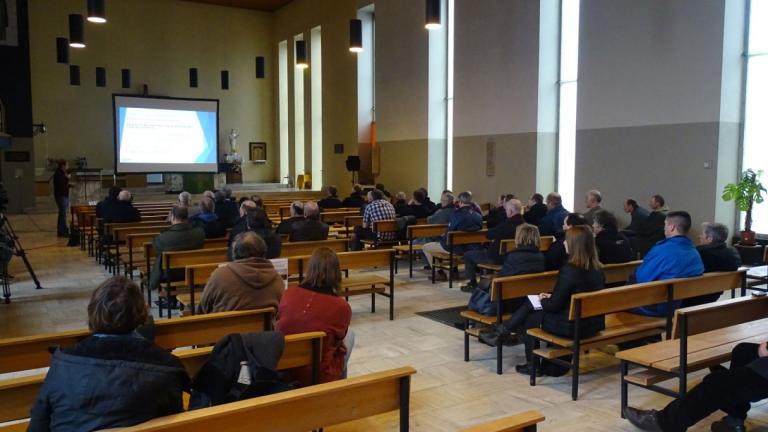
column 233, row 141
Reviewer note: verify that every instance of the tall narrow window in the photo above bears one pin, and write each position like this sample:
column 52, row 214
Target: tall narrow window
column 298, row 113
column 569, row 68
column 756, row 108
column 366, row 95
column 282, row 61
column 449, row 99
column 316, row 72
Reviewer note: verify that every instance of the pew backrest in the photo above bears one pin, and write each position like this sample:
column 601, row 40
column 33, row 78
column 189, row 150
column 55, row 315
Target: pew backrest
column 307, row 247
column 427, row 230
column 457, row 238
column 717, row 315
column 522, row 422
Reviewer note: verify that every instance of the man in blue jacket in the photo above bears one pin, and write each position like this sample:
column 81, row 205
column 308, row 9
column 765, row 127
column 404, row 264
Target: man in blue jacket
column 673, row 257
column 552, row 222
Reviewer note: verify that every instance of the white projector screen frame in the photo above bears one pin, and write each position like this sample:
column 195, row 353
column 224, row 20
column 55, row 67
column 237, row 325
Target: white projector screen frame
column 159, row 102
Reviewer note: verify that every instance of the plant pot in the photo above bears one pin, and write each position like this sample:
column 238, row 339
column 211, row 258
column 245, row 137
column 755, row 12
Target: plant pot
column 748, row 238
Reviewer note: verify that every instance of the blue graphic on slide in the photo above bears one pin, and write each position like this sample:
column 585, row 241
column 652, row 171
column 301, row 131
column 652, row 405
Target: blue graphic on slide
column 149, row 135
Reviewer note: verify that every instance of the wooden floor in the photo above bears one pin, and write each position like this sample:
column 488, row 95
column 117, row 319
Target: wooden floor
column 447, row 393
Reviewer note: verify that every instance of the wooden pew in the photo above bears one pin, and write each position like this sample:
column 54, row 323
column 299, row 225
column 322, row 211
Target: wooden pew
column 290, row 249
column 523, row 422
column 350, row 222
column 337, row 217
column 414, row 232
column 703, row 336
column 120, row 236
column 329, row 404
column 382, row 227
column 181, row 259
column 456, row 238
column 17, row 396
column 622, row 326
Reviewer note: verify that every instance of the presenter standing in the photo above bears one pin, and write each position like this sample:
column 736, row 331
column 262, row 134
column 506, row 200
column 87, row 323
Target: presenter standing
column 61, row 195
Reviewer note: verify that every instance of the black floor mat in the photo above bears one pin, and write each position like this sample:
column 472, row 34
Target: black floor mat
column 446, row 316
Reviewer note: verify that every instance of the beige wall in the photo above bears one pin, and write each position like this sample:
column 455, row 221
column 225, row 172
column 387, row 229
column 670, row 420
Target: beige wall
column 159, row 41
column 339, row 81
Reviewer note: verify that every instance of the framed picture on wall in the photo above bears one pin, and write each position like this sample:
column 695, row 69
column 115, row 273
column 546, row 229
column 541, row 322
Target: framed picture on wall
column 257, row 152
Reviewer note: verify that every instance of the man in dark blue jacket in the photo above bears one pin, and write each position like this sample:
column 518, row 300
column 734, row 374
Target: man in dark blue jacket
column 465, row 218
column 552, row 222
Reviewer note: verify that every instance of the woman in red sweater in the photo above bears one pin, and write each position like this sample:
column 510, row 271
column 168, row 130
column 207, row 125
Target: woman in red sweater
column 315, row 306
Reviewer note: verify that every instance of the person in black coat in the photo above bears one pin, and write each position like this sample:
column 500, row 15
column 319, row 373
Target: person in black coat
column 651, row 231
column 356, row 199
column 525, row 258
column 418, row 206
column 536, row 209
column 498, row 214
column 716, row 257
column 253, row 218
column 310, row 229
column 226, row 209
column 122, row 210
column 110, row 199
column 331, row 201
column 401, row 204
column 556, row 256
column 612, row 246
column 113, row 378
column 61, row 195
column 297, row 215
column 208, row 220
column 581, row 274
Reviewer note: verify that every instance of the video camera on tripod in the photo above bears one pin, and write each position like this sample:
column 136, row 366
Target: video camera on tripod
column 10, row 246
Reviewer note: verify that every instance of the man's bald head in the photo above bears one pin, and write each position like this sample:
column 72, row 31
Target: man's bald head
column 311, row 210
column 124, row 195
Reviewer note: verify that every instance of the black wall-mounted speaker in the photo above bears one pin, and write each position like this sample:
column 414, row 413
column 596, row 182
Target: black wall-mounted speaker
column 74, row 75
column 101, row 77
column 338, row 148
column 225, row 80
column 260, row 67
column 353, row 163
column 62, row 50
column 126, row 78
column 193, row 77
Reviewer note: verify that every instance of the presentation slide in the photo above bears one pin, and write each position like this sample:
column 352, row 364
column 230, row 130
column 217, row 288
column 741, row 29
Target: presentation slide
column 157, row 135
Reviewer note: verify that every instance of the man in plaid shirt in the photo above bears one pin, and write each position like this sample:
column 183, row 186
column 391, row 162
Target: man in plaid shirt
column 377, row 209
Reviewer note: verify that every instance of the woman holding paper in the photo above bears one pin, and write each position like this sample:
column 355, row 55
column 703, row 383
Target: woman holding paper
column 549, row 311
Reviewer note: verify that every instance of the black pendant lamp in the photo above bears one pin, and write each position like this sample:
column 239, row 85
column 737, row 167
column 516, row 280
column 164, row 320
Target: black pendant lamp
column 433, row 15
column 301, row 54
column 62, row 50
column 96, row 11
column 76, row 31
column 355, row 35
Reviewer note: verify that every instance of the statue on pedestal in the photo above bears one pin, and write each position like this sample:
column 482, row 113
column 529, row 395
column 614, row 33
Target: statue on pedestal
column 233, row 141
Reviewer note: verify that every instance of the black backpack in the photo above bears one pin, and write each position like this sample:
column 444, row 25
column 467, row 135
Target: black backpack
column 231, row 374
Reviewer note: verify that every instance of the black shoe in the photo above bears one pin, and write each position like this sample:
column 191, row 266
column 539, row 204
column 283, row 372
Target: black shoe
column 525, row 369
column 469, row 287
column 461, row 325
column 489, row 337
column 643, row 419
column 728, row 424
column 440, row 276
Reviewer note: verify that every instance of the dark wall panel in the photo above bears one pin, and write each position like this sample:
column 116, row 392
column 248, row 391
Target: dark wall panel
column 15, row 82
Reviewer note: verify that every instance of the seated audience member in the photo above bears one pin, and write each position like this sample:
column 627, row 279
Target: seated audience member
column 582, row 274
column 181, row 235
column 378, row 209
column 498, row 214
column 612, row 246
column 525, row 258
column 226, row 209
column 536, row 210
column 185, row 200
column 652, row 230
column 439, row 206
column 592, row 202
column 417, row 206
column 253, row 218
column 447, row 208
column 384, row 191
column 552, row 222
column 107, row 202
column 297, row 215
column 556, row 256
column 731, row 390
column 428, row 204
column 331, row 201
column 258, row 200
column 248, row 282
column 355, row 199
column 490, row 255
column 209, row 194
column 674, row 257
column 638, row 215
column 114, row 377
column 316, row 306
column 463, row 219
column 716, row 257
column 311, row 228
column 208, row 220
column 122, row 210
column 401, row 204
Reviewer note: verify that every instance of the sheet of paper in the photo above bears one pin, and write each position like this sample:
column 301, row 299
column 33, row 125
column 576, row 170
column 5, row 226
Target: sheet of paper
column 761, row 271
column 281, row 266
column 535, row 301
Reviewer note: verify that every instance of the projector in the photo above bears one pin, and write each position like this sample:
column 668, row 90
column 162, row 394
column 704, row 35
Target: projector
column 5, row 140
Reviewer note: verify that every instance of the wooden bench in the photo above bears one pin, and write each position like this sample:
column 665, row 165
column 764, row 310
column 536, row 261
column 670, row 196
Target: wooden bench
column 318, row 406
column 380, row 228
column 17, row 396
column 120, row 238
column 622, row 326
column 703, row 336
column 337, row 217
column 308, row 247
column 523, row 422
column 414, row 232
column 508, row 245
column 180, row 259
column 456, row 238
column 512, row 287
column 350, row 222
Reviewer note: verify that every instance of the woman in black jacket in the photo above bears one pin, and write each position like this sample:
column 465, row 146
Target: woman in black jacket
column 526, row 257
column 556, row 257
column 582, row 273
column 113, row 378
column 256, row 220
column 612, row 246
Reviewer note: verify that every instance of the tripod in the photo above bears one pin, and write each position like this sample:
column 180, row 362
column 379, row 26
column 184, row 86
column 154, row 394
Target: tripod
column 11, row 240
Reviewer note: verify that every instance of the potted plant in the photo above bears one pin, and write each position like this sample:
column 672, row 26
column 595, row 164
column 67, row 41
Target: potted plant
column 747, row 192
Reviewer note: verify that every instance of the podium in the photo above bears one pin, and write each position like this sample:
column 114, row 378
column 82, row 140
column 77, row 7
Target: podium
column 87, row 185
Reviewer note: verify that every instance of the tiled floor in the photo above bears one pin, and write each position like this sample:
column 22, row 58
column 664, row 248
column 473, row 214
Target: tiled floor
column 447, row 393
